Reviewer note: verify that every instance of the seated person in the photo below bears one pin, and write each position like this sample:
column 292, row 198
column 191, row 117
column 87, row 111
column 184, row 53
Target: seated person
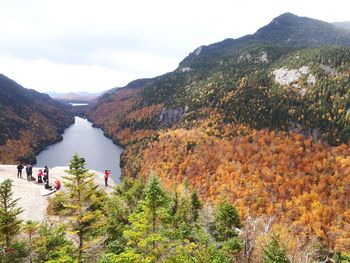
column 57, row 184
column 47, row 186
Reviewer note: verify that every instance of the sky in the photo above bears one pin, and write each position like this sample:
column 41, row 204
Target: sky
column 95, row 45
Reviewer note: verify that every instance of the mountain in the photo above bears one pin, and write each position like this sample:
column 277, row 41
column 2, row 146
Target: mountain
column 262, row 121
column 291, row 30
column 208, row 75
column 76, row 96
column 29, row 121
column 344, row 25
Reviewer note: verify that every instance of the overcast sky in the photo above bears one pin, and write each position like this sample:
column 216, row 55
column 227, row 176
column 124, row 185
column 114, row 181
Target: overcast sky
column 95, row 45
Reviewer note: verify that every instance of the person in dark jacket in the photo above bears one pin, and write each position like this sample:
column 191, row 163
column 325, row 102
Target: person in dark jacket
column 30, row 173
column 46, row 174
column 27, row 170
column 19, row 170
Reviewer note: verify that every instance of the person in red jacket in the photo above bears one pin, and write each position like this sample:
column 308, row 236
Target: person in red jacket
column 57, row 184
column 40, row 176
column 107, row 173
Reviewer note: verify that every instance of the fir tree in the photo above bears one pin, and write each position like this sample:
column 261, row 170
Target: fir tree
column 30, row 228
column 226, row 221
column 155, row 199
column 148, row 223
column 82, row 204
column 275, row 252
column 196, row 206
column 51, row 245
column 10, row 225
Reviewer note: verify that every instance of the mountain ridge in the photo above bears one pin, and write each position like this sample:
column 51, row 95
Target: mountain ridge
column 226, row 62
column 29, row 121
column 260, row 121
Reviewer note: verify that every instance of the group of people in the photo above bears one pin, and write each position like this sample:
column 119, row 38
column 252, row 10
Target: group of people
column 29, row 171
column 43, row 175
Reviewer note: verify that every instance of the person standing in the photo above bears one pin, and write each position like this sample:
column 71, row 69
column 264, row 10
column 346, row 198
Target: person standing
column 27, row 171
column 30, row 172
column 46, row 174
column 19, row 170
column 107, row 173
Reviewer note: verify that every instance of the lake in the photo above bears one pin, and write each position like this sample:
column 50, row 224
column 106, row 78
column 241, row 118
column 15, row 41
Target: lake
column 99, row 152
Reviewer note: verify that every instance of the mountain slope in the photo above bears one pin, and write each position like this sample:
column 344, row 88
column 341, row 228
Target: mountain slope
column 211, row 75
column 344, row 25
column 29, row 121
column 262, row 121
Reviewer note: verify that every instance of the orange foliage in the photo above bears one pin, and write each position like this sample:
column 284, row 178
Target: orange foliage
column 116, row 112
column 304, row 184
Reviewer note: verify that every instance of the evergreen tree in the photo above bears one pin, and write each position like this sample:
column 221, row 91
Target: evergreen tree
column 10, row 225
column 275, row 252
column 226, row 222
column 131, row 191
column 155, row 198
column 30, row 228
column 82, row 203
column 51, row 245
column 146, row 236
column 196, row 206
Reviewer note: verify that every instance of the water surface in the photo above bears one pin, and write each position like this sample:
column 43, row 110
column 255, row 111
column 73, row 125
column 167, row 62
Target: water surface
column 99, row 152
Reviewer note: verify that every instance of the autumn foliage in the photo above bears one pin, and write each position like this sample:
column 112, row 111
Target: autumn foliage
column 303, row 183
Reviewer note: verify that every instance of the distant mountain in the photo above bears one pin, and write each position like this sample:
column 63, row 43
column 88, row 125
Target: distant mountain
column 29, row 121
column 75, row 96
column 292, row 30
column 344, row 25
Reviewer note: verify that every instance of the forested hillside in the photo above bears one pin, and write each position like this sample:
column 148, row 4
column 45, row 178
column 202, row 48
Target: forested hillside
column 262, row 121
column 29, row 121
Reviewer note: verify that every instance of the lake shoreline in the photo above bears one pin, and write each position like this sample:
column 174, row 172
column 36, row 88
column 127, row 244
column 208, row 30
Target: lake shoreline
column 89, row 142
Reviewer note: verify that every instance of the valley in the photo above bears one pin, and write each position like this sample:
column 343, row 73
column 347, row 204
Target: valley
column 240, row 154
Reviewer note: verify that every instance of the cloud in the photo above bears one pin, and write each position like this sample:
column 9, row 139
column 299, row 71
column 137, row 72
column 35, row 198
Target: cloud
column 94, row 45
column 46, row 75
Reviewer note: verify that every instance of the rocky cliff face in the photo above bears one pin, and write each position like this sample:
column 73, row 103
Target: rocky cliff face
column 29, row 121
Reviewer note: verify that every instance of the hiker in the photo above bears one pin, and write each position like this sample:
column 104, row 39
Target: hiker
column 19, row 170
column 46, row 171
column 57, row 184
column 27, row 170
column 107, row 173
column 47, row 186
column 40, row 176
column 30, row 173
column 46, row 174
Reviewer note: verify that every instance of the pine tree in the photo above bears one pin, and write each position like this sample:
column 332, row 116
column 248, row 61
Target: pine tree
column 275, row 252
column 51, row 245
column 10, row 225
column 226, row 221
column 30, row 228
column 82, row 204
column 149, row 221
column 155, row 198
column 196, row 206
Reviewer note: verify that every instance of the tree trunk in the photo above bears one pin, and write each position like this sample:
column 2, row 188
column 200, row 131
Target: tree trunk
column 80, row 256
